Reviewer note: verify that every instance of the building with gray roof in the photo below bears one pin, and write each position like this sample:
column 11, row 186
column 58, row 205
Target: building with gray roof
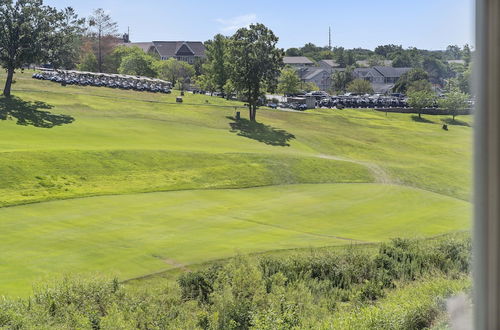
column 186, row 51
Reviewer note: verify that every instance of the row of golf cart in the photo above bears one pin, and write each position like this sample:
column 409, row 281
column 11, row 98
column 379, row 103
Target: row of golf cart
column 125, row 82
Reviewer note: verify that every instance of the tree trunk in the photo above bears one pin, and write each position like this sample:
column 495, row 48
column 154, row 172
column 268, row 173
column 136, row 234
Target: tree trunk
column 8, row 82
column 253, row 112
column 419, row 115
column 99, row 54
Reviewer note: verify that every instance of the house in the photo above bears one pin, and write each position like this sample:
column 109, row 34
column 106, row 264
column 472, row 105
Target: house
column 382, row 78
column 320, row 76
column 186, row 51
column 328, row 64
column 297, row 61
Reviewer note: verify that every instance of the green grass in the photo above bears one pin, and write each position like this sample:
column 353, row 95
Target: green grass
column 316, row 173
column 132, row 235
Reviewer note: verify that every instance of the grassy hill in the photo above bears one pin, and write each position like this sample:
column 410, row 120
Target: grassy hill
column 132, row 183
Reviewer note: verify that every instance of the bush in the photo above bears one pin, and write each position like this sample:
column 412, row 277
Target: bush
column 396, row 287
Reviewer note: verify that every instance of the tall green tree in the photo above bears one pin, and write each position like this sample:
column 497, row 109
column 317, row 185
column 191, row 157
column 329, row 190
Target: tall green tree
column 138, row 64
column 289, row 81
column 177, row 72
column 420, row 100
column 407, row 79
column 101, row 26
column 340, row 79
column 254, row 60
column 88, row 63
column 113, row 61
column 27, row 32
column 216, row 67
column 66, row 42
column 453, row 102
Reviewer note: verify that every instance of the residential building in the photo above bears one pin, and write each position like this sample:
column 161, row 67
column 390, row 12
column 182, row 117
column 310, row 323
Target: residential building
column 186, row 51
column 297, row 61
column 328, row 64
column 382, row 78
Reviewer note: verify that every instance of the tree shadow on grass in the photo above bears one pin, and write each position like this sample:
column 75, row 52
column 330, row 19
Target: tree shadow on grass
column 260, row 132
column 421, row 120
column 451, row 121
column 31, row 113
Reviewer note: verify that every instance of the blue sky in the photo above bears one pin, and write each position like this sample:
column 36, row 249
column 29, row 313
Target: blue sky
column 429, row 24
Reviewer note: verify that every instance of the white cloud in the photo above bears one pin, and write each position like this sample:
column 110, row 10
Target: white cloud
column 230, row 25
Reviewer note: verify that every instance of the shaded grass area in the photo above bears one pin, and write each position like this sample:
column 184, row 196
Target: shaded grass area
column 132, row 235
column 260, row 132
column 40, row 176
column 31, row 113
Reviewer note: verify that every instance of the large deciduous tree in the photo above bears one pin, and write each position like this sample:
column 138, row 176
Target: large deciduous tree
column 254, row 61
column 216, row 67
column 453, row 102
column 138, row 64
column 420, row 100
column 66, row 42
column 177, row 72
column 289, row 82
column 103, row 30
column 341, row 78
column 27, row 32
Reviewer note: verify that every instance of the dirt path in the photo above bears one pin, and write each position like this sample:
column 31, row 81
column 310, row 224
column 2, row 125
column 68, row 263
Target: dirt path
column 381, row 176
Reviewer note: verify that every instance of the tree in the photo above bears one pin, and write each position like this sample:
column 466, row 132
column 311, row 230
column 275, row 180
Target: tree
column 66, row 41
column 375, row 60
column 420, row 100
column 454, row 101
column 408, row 78
column 177, row 72
column 216, row 67
column 138, row 64
column 436, row 69
column 453, row 52
column 401, row 60
column 289, row 81
column 254, row 60
column 88, row 63
column 360, row 86
column 309, row 87
column 420, row 85
column 205, row 83
column 101, row 26
column 27, row 32
column 386, row 50
column 340, row 79
column 113, row 61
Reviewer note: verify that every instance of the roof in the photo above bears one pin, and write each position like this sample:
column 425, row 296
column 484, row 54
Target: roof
column 313, row 72
column 366, row 63
column 330, row 63
column 179, row 48
column 145, row 46
column 296, row 60
column 366, row 72
column 389, row 71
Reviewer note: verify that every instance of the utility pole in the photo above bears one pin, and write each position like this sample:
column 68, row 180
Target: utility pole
column 329, row 38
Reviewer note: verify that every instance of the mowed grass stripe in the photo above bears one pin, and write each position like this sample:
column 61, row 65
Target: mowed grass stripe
column 133, row 235
column 47, row 175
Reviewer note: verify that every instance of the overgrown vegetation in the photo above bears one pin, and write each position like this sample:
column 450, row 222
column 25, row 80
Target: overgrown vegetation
column 398, row 286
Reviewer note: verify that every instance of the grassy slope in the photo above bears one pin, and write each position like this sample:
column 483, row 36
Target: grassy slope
column 120, row 146
column 158, row 231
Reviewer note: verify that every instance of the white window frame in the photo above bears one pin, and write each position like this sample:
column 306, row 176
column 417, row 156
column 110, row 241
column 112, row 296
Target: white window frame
column 486, row 238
